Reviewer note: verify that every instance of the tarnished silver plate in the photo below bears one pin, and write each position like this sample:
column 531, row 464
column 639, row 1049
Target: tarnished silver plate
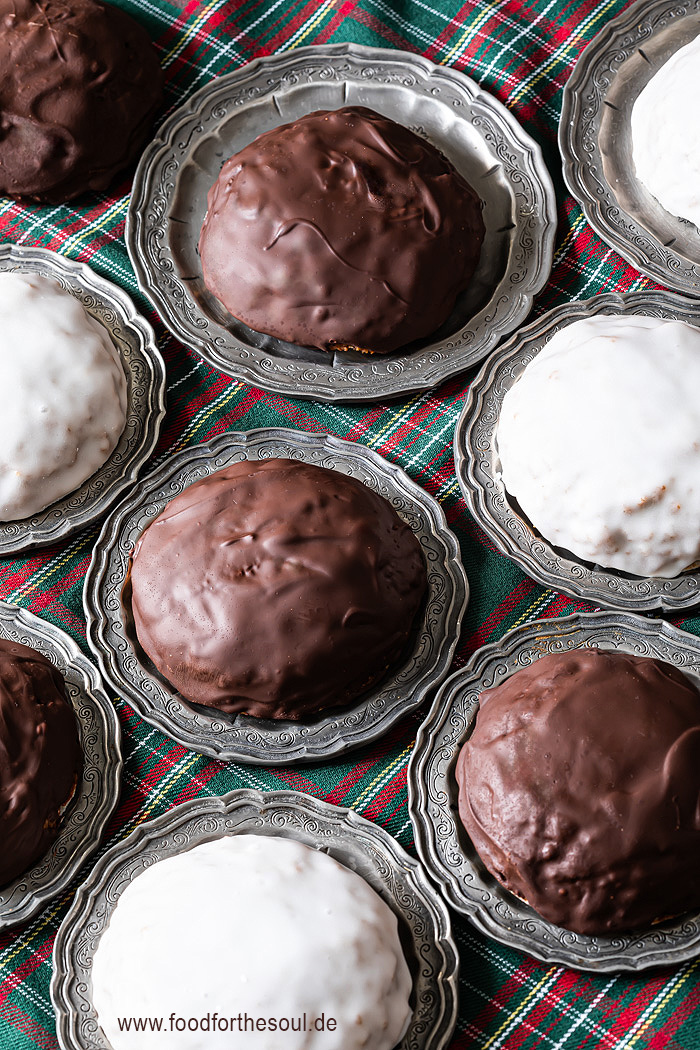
column 135, row 343
column 363, row 847
column 240, row 737
column 445, row 847
column 96, row 794
column 478, row 134
column 595, row 140
column 478, row 466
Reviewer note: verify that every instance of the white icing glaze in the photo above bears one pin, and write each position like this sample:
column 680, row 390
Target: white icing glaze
column 599, row 442
column 257, row 925
column 64, row 403
column 666, row 134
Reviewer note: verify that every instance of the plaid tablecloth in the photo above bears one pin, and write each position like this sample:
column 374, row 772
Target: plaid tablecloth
column 522, row 51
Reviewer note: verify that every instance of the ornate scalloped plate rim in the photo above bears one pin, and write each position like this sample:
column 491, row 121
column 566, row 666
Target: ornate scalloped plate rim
column 105, row 765
column 71, row 959
column 381, row 376
column 288, row 742
column 482, row 487
column 576, row 157
column 494, row 910
column 56, row 522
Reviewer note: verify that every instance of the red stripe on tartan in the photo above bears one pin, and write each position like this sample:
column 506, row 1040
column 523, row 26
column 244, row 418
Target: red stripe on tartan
column 360, row 428
column 31, row 1028
column 409, row 433
column 346, row 9
column 631, row 1012
column 537, row 1016
column 503, row 1000
column 349, row 781
column 183, row 412
column 178, row 24
column 371, row 22
column 455, row 24
column 35, row 958
column 396, row 785
column 560, row 31
column 289, row 28
column 298, row 782
column 685, row 1009
column 170, row 754
column 203, row 39
column 77, row 225
column 297, row 415
column 237, row 412
column 198, row 782
column 502, row 610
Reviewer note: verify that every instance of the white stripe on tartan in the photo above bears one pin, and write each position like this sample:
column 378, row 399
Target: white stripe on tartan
column 477, row 69
column 206, row 410
column 562, row 54
column 307, row 26
column 45, row 570
column 370, row 793
column 205, row 71
column 432, row 439
column 191, row 29
column 526, row 30
column 25, row 989
column 636, row 1030
column 538, row 994
column 583, row 1019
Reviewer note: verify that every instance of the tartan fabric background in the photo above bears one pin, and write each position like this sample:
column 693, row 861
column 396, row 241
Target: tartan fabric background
column 522, row 52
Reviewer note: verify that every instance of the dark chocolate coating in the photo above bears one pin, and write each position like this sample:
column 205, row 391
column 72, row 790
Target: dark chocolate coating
column 40, row 757
column 80, row 84
column 343, row 228
column 580, row 789
column 275, row 588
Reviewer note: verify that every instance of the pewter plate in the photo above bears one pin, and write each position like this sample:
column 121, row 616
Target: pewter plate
column 595, row 140
column 365, row 848
column 261, row 741
column 135, row 343
column 96, row 794
column 478, row 134
column 478, row 467
column 445, row 847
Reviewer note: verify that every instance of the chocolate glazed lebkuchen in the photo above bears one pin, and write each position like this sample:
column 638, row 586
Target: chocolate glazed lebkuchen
column 275, row 588
column 80, row 84
column 342, row 229
column 41, row 756
column 580, row 789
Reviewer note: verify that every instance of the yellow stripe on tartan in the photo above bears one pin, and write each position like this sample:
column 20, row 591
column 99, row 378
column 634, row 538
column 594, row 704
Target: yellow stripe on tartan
column 385, row 773
column 191, row 30
column 48, row 916
column 571, row 236
column 468, row 33
column 197, row 421
column 521, row 1010
column 661, row 1005
column 53, row 566
column 395, row 421
column 88, row 233
column 324, row 10
column 166, row 785
column 560, row 58
column 544, row 599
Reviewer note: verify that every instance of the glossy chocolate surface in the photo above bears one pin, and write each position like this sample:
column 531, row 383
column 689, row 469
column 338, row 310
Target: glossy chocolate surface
column 341, row 229
column 40, row 756
column 80, row 83
column 580, row 789
column 275, row 588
